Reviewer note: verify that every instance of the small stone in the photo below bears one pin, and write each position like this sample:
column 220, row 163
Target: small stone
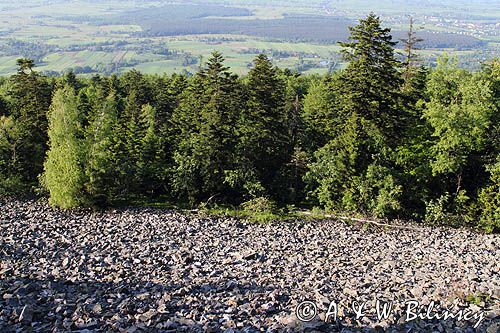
column 26, row 316
column 493, row 328
column 65, row 262
column 97, row 308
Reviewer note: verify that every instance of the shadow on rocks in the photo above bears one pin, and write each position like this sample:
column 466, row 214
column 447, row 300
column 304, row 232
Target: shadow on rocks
column 52, row 305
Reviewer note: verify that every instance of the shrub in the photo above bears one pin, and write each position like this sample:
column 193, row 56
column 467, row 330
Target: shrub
column 260, row 209
column 489, row 202
column 454, row 210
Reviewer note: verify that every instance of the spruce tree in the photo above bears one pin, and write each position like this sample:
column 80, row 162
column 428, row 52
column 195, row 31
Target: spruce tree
column 30, row 94
column 371, row 83
column 361, row 152
column 166, row 97
column 289, row 184
column 128, row 145
column 150, row 165
column 101, row 172
column 204, row 151
column 264, row 145
column 415, row 141
column 134, row 82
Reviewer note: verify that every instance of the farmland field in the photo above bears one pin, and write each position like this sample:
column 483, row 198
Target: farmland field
column 154, row 36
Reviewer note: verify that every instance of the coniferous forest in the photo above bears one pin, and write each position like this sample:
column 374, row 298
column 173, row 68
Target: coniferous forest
column 381, row 138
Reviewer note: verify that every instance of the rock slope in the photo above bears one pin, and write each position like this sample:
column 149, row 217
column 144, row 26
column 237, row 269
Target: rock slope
column 149, row 270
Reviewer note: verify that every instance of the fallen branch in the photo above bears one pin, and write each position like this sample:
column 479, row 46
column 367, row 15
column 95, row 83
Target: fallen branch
column 346, row 218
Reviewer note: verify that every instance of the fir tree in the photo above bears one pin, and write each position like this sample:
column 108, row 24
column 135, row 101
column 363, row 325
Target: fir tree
column 320, row 114
column 101, row 164
column 264, row 142
column 204, row 152
column 30, row 94
column 371, row 83
column 368, row 93
column 150, row 166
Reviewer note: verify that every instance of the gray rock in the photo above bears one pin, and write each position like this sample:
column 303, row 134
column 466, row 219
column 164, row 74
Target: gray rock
column 143, row 269
column 26, row 316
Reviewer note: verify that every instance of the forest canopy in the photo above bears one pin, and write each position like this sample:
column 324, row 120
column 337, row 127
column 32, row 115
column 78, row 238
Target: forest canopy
column 380, row 138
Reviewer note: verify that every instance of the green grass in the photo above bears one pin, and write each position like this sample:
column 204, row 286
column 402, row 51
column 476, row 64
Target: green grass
column 261, row 217
column 161, row 66
column 7, row 65
column 479, row 298
column 64, row 60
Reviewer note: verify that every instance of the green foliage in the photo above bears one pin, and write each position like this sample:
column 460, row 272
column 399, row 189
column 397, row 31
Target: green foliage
column 459, row 111
column 259, row 205
column 30, row 97
column 101, row 167
column 331, row 174
column 462, row 113
column 11, row 182
column 340, row 185
column 478, row 298
column 450, row 209
column 263, row 146
column 436, row 210
column 361, row 141
column 353, row 171
column 489, row 201
column 204, row 121
column 378, row 192
column 8, row 137
column 319, row 114
column 260, row 209
column 371, row 83
column 63, row 175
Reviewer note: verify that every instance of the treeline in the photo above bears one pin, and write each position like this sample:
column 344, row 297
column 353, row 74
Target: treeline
column 32, row 50
column 380, row 138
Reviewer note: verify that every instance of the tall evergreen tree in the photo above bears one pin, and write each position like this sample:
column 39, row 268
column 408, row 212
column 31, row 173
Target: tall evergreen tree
column 128, row 145
column 30, row 94
column 166, row 97
column 359, row 162
column 264, row 145
column 150, row 168
column 204, row 153
column 101, row 164
column 289, row 184
column 134, row 82
column 371, row 83
column 320, row 114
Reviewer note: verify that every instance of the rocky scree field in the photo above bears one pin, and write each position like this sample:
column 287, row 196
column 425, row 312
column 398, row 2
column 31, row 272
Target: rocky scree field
column 152, row 270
